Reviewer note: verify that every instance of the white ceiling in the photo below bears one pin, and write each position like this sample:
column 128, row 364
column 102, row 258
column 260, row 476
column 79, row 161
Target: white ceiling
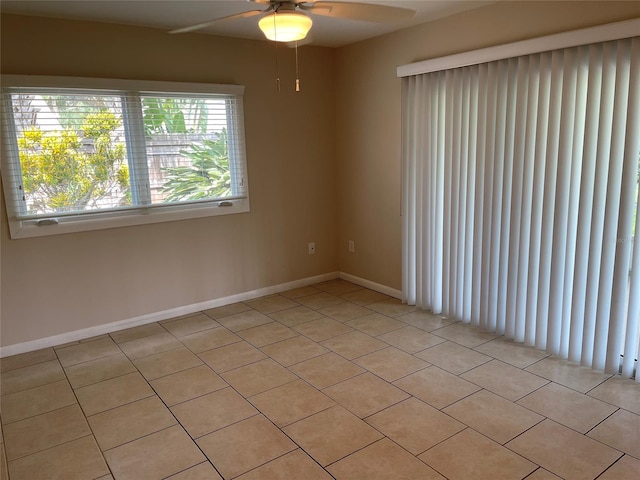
column 172, row 14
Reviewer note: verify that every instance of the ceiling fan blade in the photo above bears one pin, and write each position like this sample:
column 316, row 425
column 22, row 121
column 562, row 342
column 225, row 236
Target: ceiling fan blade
column 368, row 12
column 250, row 13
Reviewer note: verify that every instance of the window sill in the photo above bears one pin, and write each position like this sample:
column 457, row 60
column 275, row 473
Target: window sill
column 100, row 221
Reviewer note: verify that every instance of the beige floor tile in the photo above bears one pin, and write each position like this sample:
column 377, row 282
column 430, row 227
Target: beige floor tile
column 391, row 363
column 98, row 370
column 480, row 412
column 226, row 310
column 326, row 370
column 322, row 329
column 231, row 356
column 365, row 394
column 437, row 387
column 426, row 321
column 203, row 471
column 621, row 431
column 410, row 339
column 300, row 292
column 354, row 344
column 212, row 412
column 332, row 434
column 294, row 350
column 113, row 393
column 27, row 403
column 626, row 468
column 173, row 452
column 135, row 333
column 243, row 320
column 452, row 357
column 187, row 325
column 563, row 451
column 338, row 287
column 83, row 352
column 32, row 376
column 375, row 324
column 622, row 392
column 272, row 303
column 502, row 379
column 4, row 471
column 291, row 402
column 258, row 377
column 245, row 445
column 187, row 385
column 364, row 297
column 465, row 334
column 542, row 474
column 143, row 347
column 319, row 300
column 392, row 307
column 76, row 460
column 510, row 352
column 567, row 407
column 209, row 339
column 27, row 359
column 345, row 311
column 293, row 465
column 414, row 425
column 266, row 334
column 44, row 431
column 130, row 422
column 295, row 316
column 470, row 455
column 568, row 374
column 166, row 363
column 381, row 461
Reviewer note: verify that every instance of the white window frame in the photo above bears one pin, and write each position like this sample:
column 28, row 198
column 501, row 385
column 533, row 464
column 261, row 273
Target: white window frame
column 21, row 226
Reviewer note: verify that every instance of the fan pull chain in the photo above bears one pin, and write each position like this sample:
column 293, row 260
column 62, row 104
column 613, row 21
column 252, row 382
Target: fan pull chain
column 297, row 76
column 277, row 64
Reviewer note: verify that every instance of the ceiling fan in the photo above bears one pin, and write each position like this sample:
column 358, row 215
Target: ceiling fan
column 287, row 20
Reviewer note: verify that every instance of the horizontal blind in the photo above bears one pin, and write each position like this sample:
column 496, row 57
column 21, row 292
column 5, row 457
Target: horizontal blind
column 540, row 156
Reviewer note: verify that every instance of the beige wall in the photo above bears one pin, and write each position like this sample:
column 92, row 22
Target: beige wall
column 368, row 113
column 62, row 283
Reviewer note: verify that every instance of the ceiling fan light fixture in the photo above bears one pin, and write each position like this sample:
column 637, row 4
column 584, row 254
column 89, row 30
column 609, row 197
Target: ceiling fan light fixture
column 286, row 26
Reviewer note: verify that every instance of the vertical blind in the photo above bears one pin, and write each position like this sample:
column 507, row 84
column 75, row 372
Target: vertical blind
column 520, row 199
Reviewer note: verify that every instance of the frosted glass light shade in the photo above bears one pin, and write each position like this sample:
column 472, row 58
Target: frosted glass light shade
column 285, row 27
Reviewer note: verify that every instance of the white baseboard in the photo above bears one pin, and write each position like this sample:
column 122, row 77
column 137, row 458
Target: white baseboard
column 392, row 292
column 158, row 316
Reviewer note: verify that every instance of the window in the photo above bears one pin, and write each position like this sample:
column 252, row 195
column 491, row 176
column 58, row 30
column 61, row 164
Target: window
column 84, row 154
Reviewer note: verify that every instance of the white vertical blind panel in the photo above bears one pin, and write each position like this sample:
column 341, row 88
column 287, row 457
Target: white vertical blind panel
column 587, row 186
column 599, row 200
column 632, row 333
column 534, row 332
column 472, row 95
column 517, row 197
column 525, row 331
column 476, row 299
column 630, row 130
column 561, row 206
column 574, row 196
column 447, row 158
column 614, row 185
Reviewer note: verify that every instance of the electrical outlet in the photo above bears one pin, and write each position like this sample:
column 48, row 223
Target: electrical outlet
column 312, row 248
column 352, row 246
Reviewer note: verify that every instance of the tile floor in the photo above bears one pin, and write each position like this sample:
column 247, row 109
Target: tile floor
column 327, row 381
